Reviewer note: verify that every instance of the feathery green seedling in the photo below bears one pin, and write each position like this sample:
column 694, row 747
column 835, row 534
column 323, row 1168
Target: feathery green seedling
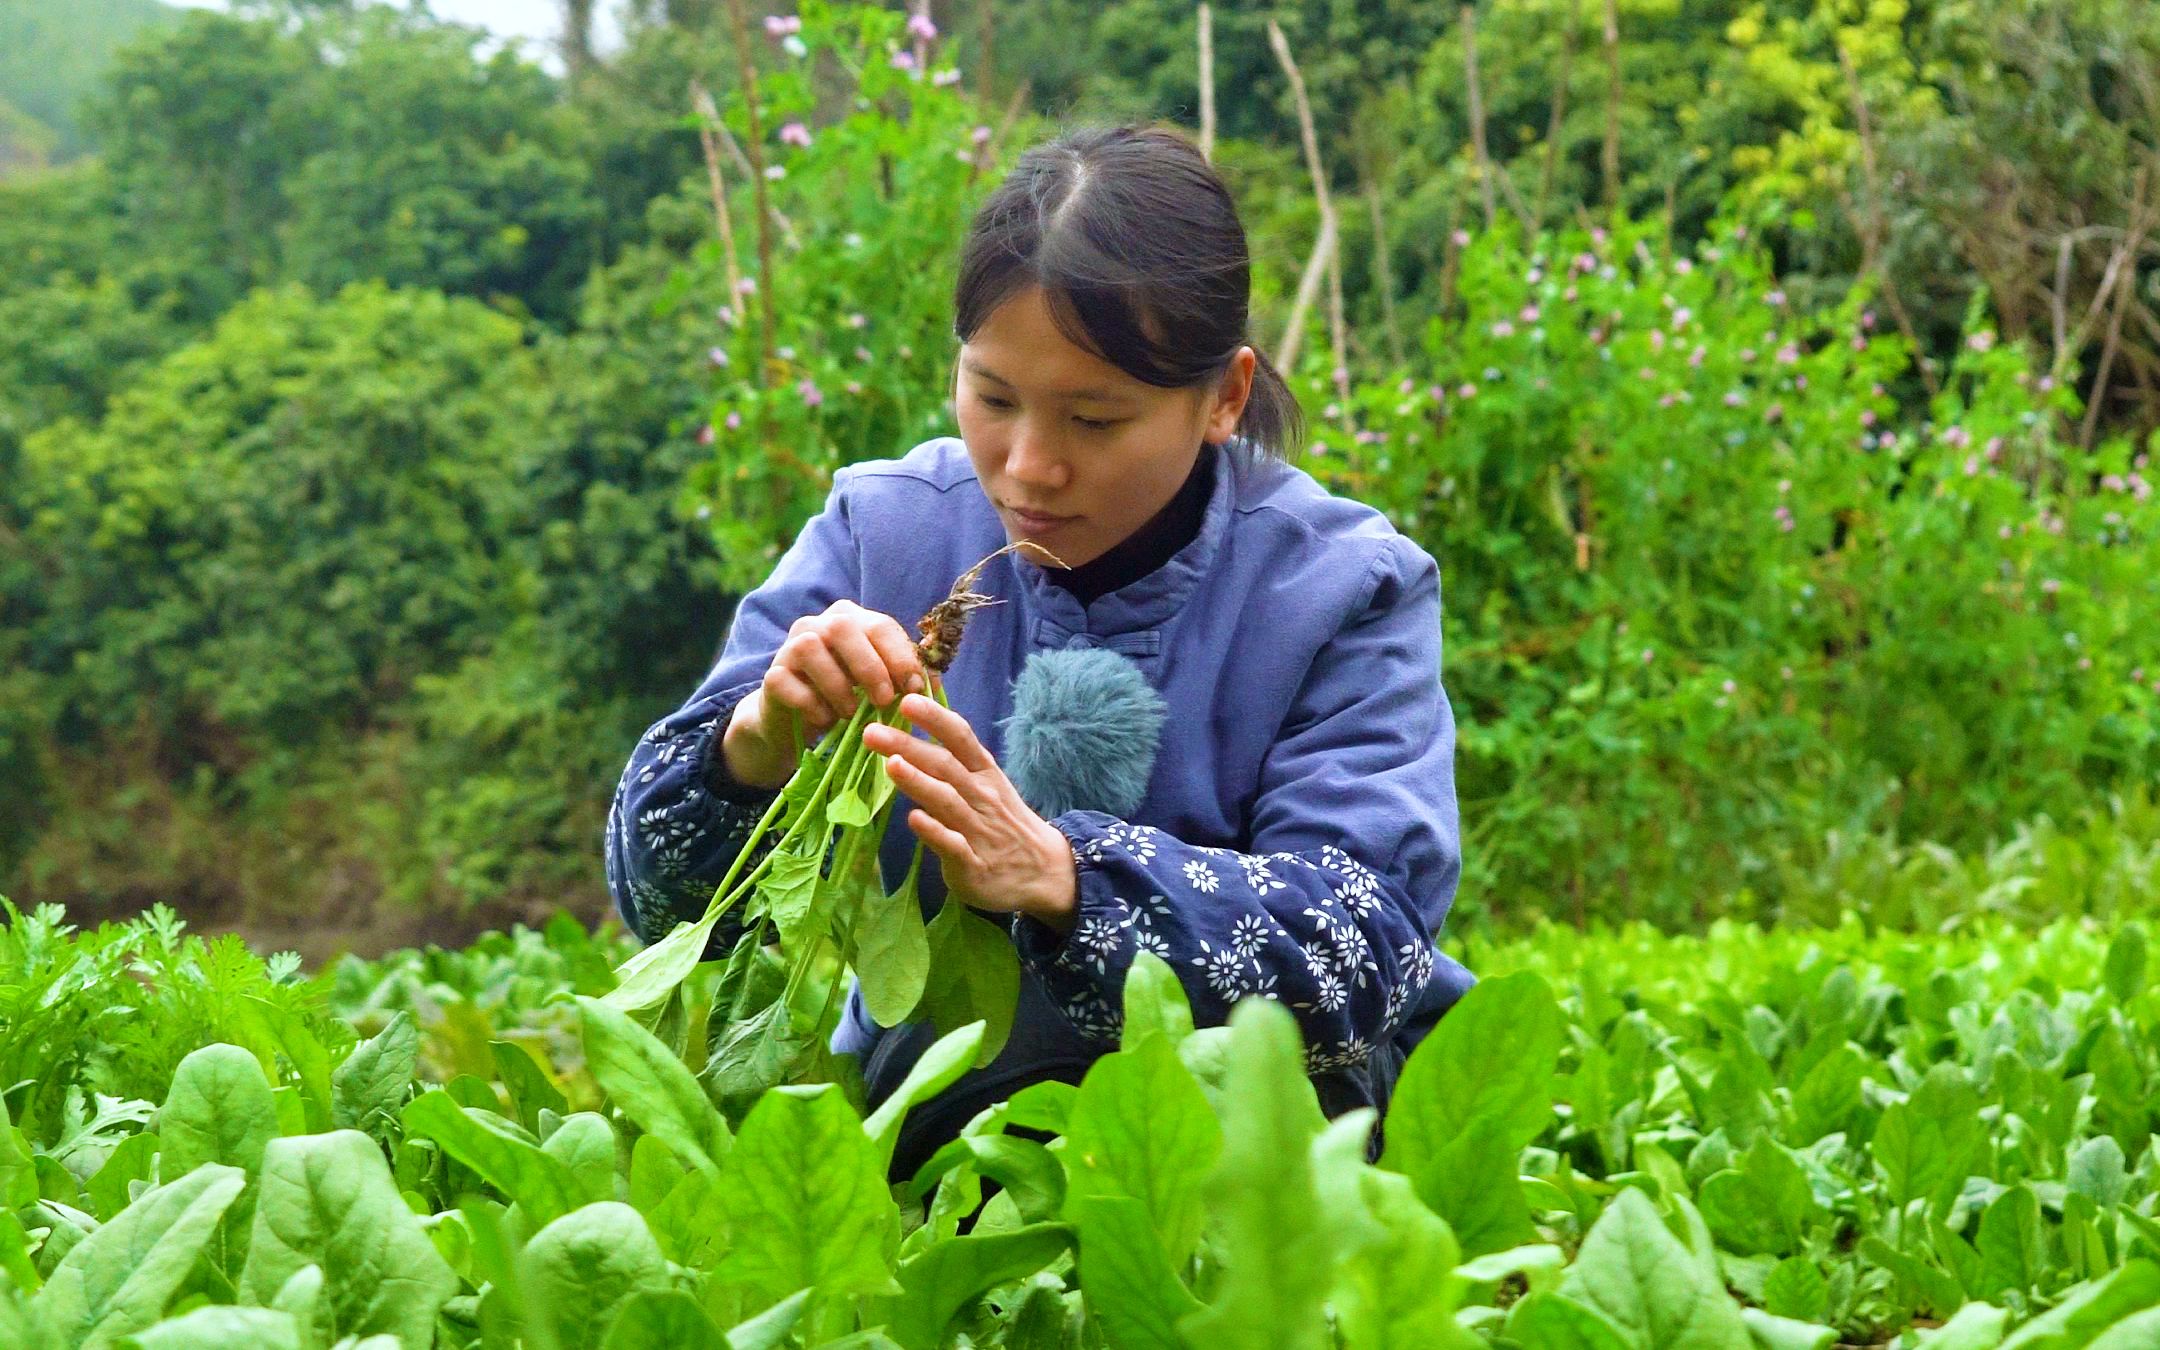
column 817, row 891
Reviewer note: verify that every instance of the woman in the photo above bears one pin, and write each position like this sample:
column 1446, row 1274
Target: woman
column 1297, row 837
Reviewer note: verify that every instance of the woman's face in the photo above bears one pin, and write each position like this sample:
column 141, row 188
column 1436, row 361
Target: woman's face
column 1074, row 453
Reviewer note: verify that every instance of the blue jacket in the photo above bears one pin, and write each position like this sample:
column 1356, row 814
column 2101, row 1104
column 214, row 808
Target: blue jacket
column 1298, row 839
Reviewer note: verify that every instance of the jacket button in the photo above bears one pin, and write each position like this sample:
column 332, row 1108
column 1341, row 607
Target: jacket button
column 1079, row 642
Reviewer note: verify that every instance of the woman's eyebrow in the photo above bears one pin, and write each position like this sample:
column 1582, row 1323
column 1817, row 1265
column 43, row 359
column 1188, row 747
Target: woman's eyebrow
column 977, row 368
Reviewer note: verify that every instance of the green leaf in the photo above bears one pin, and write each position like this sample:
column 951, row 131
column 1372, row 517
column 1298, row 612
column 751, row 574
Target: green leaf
column 937, row 1284
column 1155, row 1003
column 492, row 1148
column 1937, row 1290
column 804, row 1200
column 1764, row 1205
column 663, row 1319
column 578, row 1271
column 1397, row 1288
column 310, row 1059
column 769, row 1329
column 134, row 1160
column 2140, row 1331
column 2013, row 1245
column 1140, row 1128
column 1278, row 1262
column 938, row 1068
column 222, row 1328
column 648, row 978
column 373, row 1082
column 118, row 1280
column 974, row 976
column 1632, row 1269
column 1551, row 1321
column 585, row 1144
column 1132, row 1290
column 2125, row 964
column 328, row 1200
column 1771, row 1332
column 531, row 1091
column 1977, row 1326
column 892, row 951
column 2090, row 1308
column 651, row 1086
column 1473, row 1094
column 1796, row 1288
column 218, row 1110
column 2098, row 1170
column 787, row 892
column 1925, row 1143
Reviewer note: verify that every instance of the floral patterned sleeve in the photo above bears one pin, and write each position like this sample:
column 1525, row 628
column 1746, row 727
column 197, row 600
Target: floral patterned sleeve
column 1318, row 931
column 679, row 820
column 1342, row 935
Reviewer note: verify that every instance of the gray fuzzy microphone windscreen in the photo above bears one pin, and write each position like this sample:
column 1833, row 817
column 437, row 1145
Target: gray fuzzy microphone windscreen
column 1083, row 733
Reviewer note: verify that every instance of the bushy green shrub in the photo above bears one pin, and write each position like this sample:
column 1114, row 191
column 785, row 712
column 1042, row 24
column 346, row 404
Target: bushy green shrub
column 1708, row 592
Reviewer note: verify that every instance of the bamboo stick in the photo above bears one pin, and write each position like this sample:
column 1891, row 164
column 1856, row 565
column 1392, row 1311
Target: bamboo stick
column 708, row 118
column 1207, row 83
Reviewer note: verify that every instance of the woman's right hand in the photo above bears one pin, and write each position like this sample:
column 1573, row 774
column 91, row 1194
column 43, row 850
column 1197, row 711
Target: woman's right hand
column 821, row 671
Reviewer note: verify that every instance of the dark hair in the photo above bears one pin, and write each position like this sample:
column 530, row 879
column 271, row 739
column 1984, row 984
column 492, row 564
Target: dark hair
column 1139, row 251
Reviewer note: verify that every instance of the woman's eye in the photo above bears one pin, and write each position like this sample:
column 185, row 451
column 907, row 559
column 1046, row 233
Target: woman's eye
column 1093, row 424
column 997, row 403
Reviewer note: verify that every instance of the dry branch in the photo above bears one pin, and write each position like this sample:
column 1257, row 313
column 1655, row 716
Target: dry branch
column 1338, row 333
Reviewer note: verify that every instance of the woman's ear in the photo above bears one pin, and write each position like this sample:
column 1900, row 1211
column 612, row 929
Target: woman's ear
column 1230, row 397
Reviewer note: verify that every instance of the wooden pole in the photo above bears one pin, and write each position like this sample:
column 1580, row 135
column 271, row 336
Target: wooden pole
column 1207, row 84
column 708, row 118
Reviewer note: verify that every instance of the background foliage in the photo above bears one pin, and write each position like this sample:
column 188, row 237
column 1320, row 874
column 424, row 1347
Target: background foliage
column 385, row 431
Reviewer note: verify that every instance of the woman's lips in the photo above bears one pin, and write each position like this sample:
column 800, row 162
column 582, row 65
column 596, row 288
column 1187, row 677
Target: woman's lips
column 1036, row 524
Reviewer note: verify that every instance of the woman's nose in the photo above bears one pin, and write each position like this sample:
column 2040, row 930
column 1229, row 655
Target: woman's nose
column 1033, row 460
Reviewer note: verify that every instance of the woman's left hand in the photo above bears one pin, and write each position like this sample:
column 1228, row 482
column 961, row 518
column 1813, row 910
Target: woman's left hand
column 996, row 853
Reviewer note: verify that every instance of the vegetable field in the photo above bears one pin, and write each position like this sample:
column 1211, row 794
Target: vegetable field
column 1743, row 1139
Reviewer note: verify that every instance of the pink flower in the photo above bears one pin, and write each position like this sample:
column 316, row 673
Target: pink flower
column 1867, row 318
column 1747, row 354
column 1568, row 294
column 726, row 313
column 1503, row 329
column 1648, row 655
column 1731, row 687
column 1406, row 386
column 858, row 320
column 1461, row 238
column 862, row 353
column 718, row 358
column 979, row 135
column 1684, row 266
column 795, row 133
column 1597, row 234
column 809, row 392
column 1774, row 298
column 920, row 27
column 1695, row 358
column 746, row 286
column 1981, row 340
column 1529, row 314
column 942, row 78
column 705, row 434
column 734, row 421
column 1734, row 398
column 1680, row 317
column 1867, row 417
column 1788, row 354
column 780, row 25
column 1774, row 412
column 2051, row 585
column 1467, row 390
column 902, row 61
column 854, row 388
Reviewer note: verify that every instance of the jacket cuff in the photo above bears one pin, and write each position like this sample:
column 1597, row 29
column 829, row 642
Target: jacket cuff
column 1102, row 921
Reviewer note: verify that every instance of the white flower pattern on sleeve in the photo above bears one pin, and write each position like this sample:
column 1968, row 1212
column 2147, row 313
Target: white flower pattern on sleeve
column 1319, row 932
